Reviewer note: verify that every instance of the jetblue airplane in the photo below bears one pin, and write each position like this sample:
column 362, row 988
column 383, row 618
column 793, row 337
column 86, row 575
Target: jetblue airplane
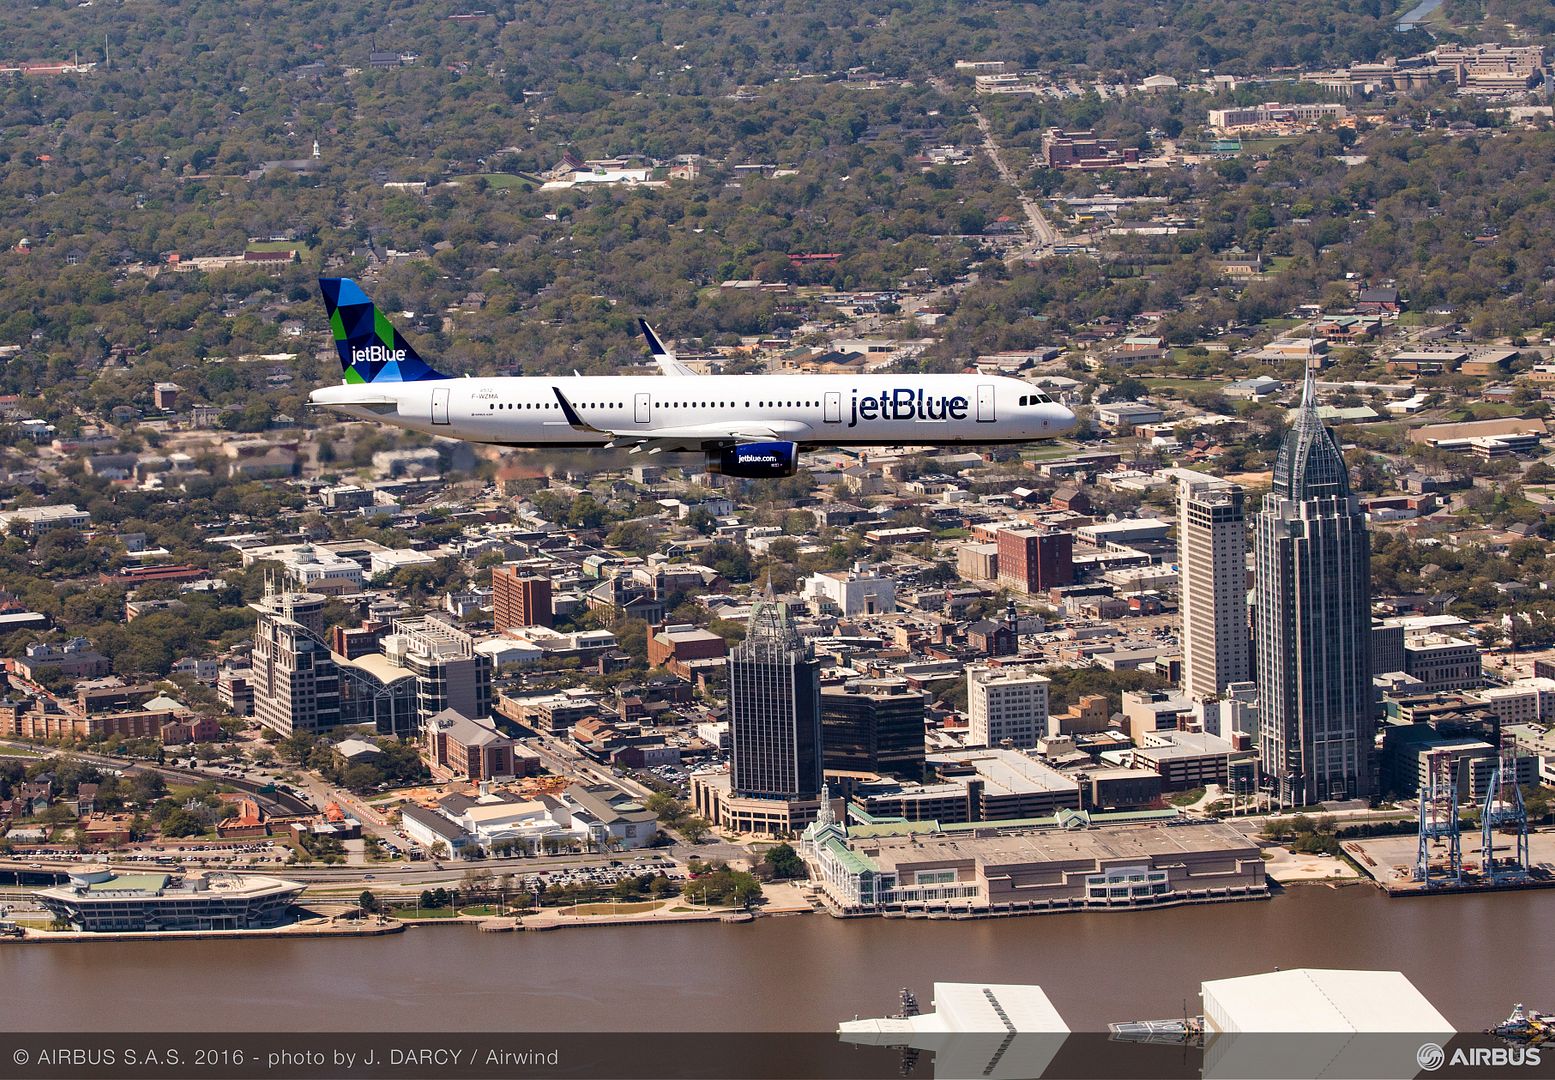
column 746, row 425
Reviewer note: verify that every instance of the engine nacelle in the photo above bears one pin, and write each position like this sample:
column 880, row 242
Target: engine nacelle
column 760, row 460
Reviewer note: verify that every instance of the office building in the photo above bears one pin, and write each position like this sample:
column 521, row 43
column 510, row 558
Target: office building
column 774, row 710
column 1035, row 560
column 1006, row 705
column 873, row 725
column 449, row 672
column 296, row 682
column 1212, row 553
column 1313, row 621
column 459, row 747
column 519, row 599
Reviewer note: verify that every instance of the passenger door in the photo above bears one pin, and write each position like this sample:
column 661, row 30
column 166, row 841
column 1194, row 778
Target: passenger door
column 833, row 413
column 440, row 404
column 643, row 409
column 985, row 403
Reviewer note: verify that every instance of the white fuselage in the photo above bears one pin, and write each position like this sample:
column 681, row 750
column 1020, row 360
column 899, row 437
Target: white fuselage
column 811, row 410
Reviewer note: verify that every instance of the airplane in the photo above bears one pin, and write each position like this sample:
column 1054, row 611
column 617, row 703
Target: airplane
column 744, row 425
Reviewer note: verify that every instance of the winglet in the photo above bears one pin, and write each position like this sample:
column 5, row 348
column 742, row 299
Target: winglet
column 574, row 421
column 661, row 355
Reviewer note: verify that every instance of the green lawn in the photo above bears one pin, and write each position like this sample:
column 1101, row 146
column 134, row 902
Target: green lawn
column 1186, row 798
column 411, row 914
column 1175, row 383
column 506, row 181
column 618, row 908
column 1047, row 453
column 279, row 245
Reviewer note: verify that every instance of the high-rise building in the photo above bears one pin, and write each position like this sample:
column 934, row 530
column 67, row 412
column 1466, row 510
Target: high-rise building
column 519, row 599
column 449, row 673
column 1212, row 554
column 873, row 725
column 1035, row 560
column 296, row 682
column 1006, row 704
column 774, row 710
column 1313, row 621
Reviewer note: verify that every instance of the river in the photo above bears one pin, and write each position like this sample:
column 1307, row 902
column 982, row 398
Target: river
column 1418, row 14
column 1473, row 956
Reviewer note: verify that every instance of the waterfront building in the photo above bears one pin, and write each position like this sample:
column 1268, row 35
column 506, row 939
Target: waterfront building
column 1313, row 621
column 98, row 899
column 1006, row 705
column 1212, row 552
column 1064, row 864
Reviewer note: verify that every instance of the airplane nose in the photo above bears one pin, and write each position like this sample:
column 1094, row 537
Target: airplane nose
column 1063, row 421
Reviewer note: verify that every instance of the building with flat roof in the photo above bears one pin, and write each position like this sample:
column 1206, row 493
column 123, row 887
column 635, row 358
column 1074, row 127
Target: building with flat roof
column 1212, row 553
column 976, row 785
column 520, row 599
column 1034, row 560
column 98, row 899
column 1064, row 866
column 685, row 650
column 1006, row 705
column 857, row 591
column 874, row 725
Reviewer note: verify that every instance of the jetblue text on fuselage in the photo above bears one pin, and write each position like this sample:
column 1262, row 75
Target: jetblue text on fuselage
column 906, row 405
column 376, row 354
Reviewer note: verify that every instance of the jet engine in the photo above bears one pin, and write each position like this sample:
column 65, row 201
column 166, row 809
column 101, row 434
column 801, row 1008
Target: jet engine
column 755, row 460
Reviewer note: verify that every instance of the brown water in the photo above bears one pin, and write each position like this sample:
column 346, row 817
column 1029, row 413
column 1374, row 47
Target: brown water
column 1473, row 956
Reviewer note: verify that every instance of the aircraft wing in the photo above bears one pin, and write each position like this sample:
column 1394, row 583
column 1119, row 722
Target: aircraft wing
column 662, row 356
column 692, row 437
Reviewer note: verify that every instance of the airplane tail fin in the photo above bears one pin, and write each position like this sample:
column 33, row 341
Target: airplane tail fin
column 371, row 350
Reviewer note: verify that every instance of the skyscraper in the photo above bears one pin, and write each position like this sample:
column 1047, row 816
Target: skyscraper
column 774, row 710
column 873, row 725
column 1212, row 553
column 1313, row 620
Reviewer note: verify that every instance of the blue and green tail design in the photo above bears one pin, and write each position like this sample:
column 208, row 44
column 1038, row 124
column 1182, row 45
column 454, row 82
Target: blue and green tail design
column 371, row 350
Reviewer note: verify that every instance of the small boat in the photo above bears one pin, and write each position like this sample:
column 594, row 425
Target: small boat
column 1526, row 1025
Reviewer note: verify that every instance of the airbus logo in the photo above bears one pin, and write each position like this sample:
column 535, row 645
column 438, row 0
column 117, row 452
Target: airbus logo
column 376, row 354
column 906, row 405
column 1432, row 1057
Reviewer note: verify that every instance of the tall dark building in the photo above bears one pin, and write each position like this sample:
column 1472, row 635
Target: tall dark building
column 873, row 726
column 519, row 599
column 774, row 710
column 1313, row 621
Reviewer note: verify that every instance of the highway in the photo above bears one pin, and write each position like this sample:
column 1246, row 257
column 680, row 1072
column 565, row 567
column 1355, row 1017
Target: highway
column 274, row 804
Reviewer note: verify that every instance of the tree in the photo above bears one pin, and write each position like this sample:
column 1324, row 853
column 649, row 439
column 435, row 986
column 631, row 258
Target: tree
column 784, row 862
column 368, row 902
column 694, row 828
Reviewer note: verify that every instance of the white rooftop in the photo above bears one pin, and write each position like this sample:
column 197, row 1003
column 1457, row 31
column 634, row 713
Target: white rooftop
column 1320, row 1000
column 994, row 1030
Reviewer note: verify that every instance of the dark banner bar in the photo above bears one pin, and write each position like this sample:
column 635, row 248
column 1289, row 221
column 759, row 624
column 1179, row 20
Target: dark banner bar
column 754, row 1056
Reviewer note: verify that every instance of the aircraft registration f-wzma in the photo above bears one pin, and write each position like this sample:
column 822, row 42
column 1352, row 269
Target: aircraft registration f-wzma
column 746, row 425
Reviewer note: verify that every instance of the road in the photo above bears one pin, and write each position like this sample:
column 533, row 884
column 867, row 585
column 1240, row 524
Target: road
column 1043, row 235
column 564, row 760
